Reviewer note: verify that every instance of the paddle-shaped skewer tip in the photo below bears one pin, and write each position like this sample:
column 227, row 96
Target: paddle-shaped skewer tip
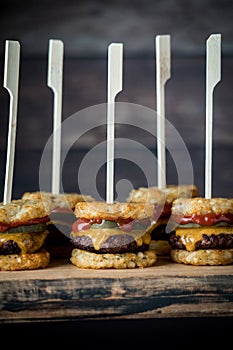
column 163, row 73
column 115, row 74
column 213, row 76
column 55, row 79
column 11, row 83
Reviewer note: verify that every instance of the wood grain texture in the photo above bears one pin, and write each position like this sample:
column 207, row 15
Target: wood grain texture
column 85, row 86
column 65, row 292
column 88, row 26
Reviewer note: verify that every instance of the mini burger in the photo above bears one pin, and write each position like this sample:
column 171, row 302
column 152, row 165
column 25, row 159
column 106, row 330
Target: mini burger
column 113, row 236
column 61, row 216
column 23, row 231
column 203, row 232
column 162, row 201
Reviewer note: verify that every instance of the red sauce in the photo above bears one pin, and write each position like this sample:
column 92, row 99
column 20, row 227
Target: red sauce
column 84, row 224
column 162, row 211
column 5, row 227
column 125, row 225
column 128, row 225
column 207, row 219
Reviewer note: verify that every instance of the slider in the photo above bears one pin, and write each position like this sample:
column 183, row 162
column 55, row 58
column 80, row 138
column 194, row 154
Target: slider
column 60, row 222
column 115, row 235
column 204, row 231
column 23, row 231
column 162, row 201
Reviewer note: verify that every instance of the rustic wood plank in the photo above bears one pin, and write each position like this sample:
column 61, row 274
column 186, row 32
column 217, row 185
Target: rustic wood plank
column 167, row 290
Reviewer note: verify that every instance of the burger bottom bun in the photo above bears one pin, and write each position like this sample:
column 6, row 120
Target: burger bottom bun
column 87, row 260
column 16, row 262
column 202, row 256
column 162, row 247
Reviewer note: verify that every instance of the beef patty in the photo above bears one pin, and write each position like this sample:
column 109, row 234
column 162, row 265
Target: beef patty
column 123, row 243
column 221, row 241
column 9, row 247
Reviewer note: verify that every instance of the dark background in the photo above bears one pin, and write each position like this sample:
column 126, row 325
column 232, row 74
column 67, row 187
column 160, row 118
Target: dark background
column 87, row 28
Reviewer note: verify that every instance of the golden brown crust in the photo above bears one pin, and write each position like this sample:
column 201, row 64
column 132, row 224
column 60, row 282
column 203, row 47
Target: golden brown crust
column 106, row 211
column 22, row 210
column 16, row 262
column 62, row 200
column 203, row 256
column 202, row 206
column 169, row 194
column 173, row 192
column 146, row 195
column 87, row 260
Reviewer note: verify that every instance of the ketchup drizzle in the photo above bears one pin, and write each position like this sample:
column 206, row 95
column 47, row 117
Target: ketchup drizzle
column 125, row 225
column 5, row 227
column 207, row 219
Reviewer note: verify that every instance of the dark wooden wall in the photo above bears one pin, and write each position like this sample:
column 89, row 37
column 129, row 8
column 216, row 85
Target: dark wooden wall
column 86, row 28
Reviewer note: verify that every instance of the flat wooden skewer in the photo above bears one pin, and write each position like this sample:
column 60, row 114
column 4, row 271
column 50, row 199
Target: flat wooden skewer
column 11, row 83
column 213, row 76
column 163, row 73
column 115, row 73
column 55, row 79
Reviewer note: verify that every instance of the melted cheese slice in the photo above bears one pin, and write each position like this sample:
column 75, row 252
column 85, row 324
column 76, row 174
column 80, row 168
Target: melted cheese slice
column 99, row 236
column 28, row 242
column 190, row 236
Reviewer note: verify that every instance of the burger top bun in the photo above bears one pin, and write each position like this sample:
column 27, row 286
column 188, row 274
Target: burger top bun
column 117, row 210
column 202, row 206
column 62, row 200
column 22, row 210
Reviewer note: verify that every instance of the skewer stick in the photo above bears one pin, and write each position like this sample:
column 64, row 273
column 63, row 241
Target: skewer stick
column 213, row 76
column 115, row 73
column 163, row 68
column 55, row 78
column 11, row 83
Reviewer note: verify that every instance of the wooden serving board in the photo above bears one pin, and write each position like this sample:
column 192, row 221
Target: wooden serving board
column 64, row 292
